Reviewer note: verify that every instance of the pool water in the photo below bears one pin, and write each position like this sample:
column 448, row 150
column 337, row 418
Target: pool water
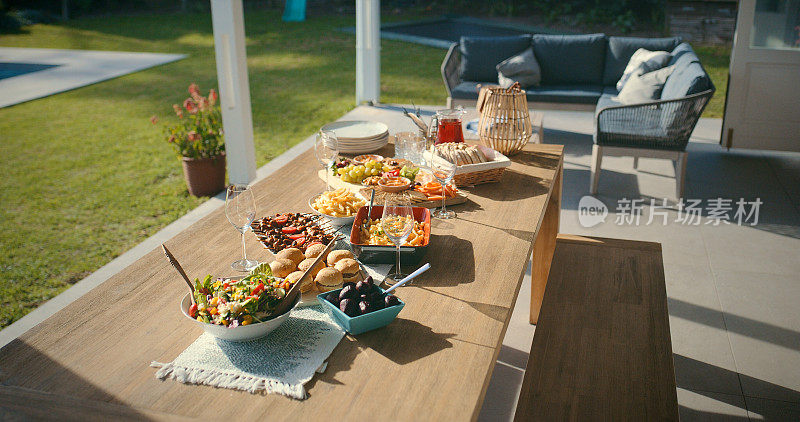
column 9, row 70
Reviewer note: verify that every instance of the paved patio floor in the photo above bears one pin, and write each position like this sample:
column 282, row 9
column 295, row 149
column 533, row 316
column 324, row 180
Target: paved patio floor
column 733, row 291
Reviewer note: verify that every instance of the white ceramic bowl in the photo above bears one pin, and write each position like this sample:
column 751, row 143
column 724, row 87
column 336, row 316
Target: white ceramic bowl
column 336, row 221
column 242, row 332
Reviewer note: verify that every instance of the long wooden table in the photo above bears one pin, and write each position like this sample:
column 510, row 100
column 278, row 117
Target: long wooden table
column 91, row 359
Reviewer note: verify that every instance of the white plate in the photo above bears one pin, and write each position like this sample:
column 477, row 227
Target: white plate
column 357, row 129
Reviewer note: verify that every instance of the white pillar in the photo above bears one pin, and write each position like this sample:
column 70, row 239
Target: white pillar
column 234, row 89
column 368, row 50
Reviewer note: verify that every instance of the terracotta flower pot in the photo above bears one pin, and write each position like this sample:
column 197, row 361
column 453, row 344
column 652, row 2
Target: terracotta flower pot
column 204, row 176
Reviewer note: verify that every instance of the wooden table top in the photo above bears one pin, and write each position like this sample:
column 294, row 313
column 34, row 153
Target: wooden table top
column 434, row 362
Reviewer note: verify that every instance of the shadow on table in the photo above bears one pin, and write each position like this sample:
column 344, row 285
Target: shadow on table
column 35, row 387
column 458, row 256
column 519, row 234
column 341, row 360
column 495, row 312
column 508, row 189
column 393, row 342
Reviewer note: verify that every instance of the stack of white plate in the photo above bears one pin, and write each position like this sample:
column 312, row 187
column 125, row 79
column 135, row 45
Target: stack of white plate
column 359, row 136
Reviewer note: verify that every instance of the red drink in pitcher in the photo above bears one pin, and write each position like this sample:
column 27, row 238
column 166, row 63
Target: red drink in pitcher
column 449, row 131
column 449, row 126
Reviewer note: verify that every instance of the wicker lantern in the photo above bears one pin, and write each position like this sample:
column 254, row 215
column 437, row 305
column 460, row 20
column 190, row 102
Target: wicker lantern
column 505, row 123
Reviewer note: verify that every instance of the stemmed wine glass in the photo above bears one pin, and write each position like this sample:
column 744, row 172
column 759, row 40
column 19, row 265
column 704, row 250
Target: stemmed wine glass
column 397, row 223
column 240, row 208
column 443, row 169
column 326, row 148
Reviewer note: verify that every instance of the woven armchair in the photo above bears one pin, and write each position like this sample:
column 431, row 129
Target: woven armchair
column 656, row 129
column 659, row 124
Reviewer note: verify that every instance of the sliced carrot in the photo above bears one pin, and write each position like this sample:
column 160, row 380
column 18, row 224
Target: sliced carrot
column 435, row 198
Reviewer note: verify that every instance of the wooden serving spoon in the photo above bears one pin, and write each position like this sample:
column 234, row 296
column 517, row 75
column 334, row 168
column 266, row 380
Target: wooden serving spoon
column 178, row 267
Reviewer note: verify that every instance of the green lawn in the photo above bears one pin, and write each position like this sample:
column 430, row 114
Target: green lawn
column 87, row 177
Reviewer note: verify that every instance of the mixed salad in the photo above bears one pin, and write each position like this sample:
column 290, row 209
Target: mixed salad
column 232, row 303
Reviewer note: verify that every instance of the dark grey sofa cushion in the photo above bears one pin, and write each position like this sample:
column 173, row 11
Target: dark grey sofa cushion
column 480, row 55
column 688, row 78
column 570, row 59
column 572, row 94
column 620, row 50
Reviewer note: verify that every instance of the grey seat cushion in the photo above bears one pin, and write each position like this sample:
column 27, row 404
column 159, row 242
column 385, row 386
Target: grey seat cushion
column 570, row 59
column 606, row 100
column 480, row 55
column 620, row 50
column 572, row 94
column 468, row 90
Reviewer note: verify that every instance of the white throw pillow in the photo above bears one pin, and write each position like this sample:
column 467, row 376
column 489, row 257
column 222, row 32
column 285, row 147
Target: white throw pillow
column 642, row 88
column 644, row 61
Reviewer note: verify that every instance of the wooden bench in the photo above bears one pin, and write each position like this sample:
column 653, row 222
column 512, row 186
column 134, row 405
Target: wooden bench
column 602, row 348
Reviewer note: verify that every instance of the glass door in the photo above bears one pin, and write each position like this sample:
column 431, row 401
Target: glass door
column 761, row 110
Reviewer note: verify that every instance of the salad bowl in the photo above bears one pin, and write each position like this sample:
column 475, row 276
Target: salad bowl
column 242, row 332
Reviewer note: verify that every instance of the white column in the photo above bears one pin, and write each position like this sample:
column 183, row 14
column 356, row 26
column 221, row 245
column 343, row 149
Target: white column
column 234, row 89
column 368, row 50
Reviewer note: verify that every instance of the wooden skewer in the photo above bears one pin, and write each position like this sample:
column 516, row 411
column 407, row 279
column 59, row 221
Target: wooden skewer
column 178, row 267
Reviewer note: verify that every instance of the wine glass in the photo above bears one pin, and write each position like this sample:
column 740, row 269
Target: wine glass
column 397, row 222
column 240, row 208
column 443, row 169
column 326, row 148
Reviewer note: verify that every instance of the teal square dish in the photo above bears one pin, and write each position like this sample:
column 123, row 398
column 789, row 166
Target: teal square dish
column 361, row 323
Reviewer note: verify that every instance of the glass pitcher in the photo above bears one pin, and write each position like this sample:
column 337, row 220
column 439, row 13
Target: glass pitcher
column 449, row 122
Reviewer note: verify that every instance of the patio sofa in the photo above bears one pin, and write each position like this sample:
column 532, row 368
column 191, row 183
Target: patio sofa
column 580, row 72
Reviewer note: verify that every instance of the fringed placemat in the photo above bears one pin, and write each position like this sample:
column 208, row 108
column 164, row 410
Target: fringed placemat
column 282, row 362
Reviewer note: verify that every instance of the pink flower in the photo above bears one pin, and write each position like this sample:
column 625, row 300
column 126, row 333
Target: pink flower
column 203, row 103
column 194, row 91
column 154, row 119
column 193, row 136
column 178, row 111
column 212, row 97
column 171, row 139
column 190, row 106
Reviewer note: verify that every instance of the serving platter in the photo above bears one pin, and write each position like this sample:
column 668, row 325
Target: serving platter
column 364, row 192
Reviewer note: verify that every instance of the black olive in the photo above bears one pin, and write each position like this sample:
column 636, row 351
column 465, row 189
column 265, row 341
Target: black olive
column 349, row 307
column 333, row 298
column 369, row 280
column 363, row 287
column 365, row 307
column 348, row 292
column 391, row 300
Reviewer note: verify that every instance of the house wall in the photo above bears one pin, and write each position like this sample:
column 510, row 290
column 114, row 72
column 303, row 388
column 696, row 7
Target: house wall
column 709, row 22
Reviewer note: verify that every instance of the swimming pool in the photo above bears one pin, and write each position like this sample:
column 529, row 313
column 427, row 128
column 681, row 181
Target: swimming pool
column 9, row 69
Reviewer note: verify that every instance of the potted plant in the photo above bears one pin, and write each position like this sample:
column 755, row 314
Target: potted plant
column 198, row 142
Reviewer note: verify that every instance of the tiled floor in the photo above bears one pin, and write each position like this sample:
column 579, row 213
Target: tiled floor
column 733, row 290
